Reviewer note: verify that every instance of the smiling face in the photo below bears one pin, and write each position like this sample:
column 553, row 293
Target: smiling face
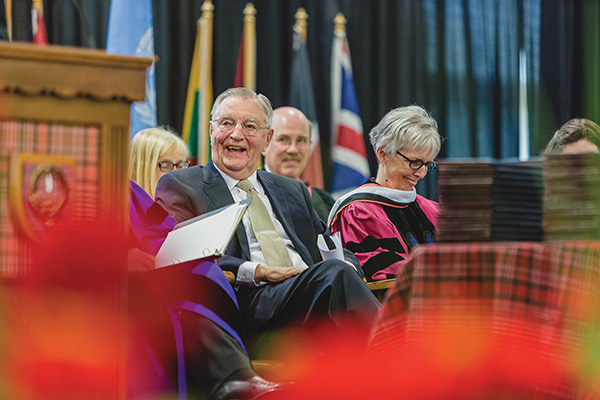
column 288, row 152
column 395, row 172
column 236, row 153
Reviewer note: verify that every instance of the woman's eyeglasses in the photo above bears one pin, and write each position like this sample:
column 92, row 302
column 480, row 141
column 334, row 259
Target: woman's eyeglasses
column 417, row 164
column 167, row 166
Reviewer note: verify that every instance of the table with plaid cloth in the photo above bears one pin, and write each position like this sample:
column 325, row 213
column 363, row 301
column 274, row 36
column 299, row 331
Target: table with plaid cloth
column 542, row 295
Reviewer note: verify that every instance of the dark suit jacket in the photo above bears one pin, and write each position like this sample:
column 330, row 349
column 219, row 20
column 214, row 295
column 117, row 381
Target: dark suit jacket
column 321, row 202
column 190, row 192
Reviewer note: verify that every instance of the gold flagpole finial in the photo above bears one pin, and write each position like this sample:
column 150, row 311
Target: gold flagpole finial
column 339, row 22
column 249, row 12
column 207, row 6
column 301, row 22
column 39, row 4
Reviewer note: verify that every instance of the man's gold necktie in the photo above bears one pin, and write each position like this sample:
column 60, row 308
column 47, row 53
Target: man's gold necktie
column 270, row 242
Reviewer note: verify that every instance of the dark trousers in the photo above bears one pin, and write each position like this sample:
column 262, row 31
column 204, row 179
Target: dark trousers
column 211, row 354
column 330, row 292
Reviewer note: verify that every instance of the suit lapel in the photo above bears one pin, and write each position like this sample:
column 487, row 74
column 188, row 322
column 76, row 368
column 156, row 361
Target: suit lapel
column 215, row 188
column 280, row 204
column 277, row 197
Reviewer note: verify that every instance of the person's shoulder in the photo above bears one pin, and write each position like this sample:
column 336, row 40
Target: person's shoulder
column 280, row 180
column 185, row 174
column 430, row 207
column 362, row 212
column 321, row 192
column 425, row 201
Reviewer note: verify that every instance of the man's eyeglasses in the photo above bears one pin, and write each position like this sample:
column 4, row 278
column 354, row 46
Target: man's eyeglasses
column 249, row 127
column 167, row 166
column 301, row 141
column 417, row 164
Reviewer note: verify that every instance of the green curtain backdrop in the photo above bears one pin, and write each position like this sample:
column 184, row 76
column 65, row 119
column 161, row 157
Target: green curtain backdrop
column 591, row 58
column 458, row 58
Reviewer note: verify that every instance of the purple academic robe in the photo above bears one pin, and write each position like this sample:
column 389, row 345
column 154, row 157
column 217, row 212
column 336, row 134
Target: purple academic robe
column 150, row 225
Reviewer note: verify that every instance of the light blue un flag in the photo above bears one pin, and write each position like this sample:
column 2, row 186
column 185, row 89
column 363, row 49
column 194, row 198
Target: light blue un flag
column 130, row 32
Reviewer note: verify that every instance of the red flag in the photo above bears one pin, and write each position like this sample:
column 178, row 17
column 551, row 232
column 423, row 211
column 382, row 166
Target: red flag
column 245, row 72
column 239, row 69
column 40, row 36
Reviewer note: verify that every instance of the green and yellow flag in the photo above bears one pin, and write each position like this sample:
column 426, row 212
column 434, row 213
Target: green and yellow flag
column 199, row 97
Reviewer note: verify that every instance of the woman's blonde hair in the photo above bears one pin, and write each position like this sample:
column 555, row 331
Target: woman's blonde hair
column 145, row 149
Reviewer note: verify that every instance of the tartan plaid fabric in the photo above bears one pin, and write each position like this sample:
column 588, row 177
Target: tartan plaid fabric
column 79, row 142
column 545, row 293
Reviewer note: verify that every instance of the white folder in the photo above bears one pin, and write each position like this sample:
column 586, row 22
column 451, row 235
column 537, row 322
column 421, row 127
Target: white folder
column 205, row 236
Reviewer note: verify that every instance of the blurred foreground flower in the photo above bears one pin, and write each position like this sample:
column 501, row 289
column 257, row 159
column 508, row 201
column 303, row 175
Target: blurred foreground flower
column 66, row 324
column 455, row 361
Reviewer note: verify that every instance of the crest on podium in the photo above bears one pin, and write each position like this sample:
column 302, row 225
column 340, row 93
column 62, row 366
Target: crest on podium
column 40, row 192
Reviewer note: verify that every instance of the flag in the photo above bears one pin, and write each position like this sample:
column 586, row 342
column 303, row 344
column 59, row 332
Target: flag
column 302, row 97
column 130, row 32
column 40, row 35
column 238, row 81
column 199, row 99
column 349, row 156
column 245, row 71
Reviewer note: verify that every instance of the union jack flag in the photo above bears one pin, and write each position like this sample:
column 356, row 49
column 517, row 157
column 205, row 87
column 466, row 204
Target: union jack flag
column 350, row 165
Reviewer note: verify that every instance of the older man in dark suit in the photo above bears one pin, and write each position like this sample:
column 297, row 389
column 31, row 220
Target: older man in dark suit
column 280, row 275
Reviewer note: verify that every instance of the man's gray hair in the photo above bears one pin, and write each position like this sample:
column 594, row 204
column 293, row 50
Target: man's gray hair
column 409, row 128
column 245, row 93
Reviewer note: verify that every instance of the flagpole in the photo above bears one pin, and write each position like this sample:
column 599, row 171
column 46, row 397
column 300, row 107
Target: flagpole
column 206, row 22
column 39, row 4
column 250, row 46
column 302, row 96
column 301, row 23
column 339, row 23
column 8, row 10
column 339, row 32
column 349, row 156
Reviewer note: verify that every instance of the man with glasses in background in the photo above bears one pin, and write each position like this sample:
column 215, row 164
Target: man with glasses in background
column 281, row 277
column 289, row 150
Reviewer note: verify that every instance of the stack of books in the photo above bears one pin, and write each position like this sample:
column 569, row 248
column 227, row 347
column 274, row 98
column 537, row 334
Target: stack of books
column 517, row 200
column 465, row 192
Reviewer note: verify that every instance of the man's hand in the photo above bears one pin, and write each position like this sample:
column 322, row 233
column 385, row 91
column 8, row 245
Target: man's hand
column 275, row 274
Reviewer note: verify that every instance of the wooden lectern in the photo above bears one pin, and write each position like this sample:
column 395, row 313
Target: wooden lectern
column 64, row 135
column 67, row 108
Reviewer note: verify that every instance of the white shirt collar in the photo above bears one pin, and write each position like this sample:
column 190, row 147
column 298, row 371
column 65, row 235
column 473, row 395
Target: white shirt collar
column 231, row 182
